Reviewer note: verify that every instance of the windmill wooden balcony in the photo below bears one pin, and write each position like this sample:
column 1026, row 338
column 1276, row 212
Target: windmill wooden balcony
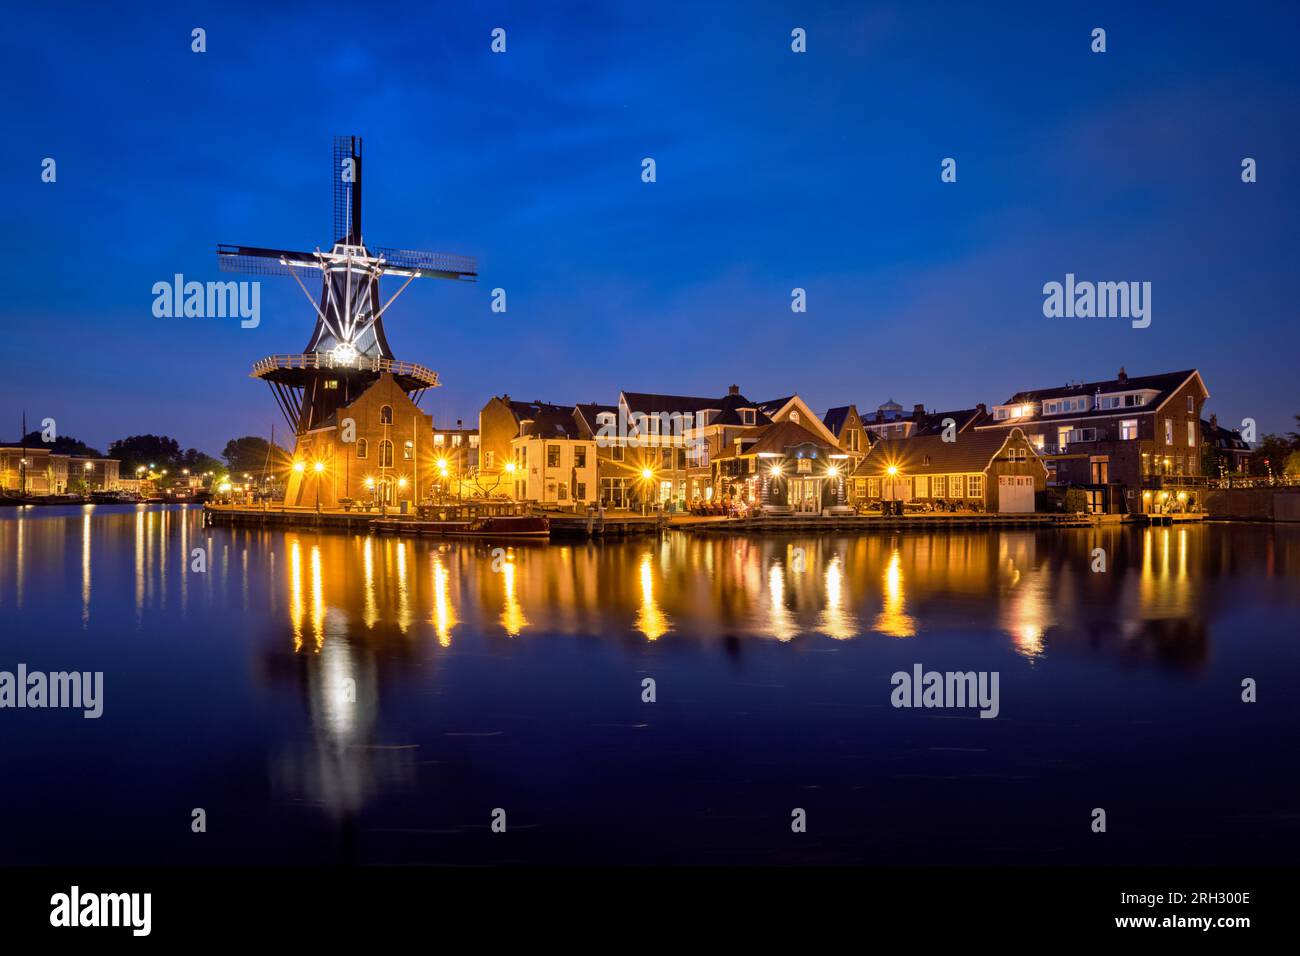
column 296, row 370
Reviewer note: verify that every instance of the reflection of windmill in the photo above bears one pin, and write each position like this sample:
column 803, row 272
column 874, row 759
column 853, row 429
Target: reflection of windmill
column 347, row 351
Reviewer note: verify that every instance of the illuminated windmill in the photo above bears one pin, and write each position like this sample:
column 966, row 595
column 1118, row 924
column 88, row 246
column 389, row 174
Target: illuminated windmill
column 348, row 351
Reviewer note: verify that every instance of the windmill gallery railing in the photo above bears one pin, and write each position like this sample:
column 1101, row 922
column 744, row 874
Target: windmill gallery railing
column 360, row 363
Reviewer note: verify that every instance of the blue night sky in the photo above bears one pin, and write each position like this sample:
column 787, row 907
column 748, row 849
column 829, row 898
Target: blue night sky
column 775, row 170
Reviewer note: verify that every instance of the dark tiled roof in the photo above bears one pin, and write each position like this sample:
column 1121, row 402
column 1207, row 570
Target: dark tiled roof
column 588, row 413
column 773, row 405
column 931, row 423
column 559, row 424
column 650, row 403
column 1226, row 438
column 1165, row 383
column 971, row 452
column 835, row 418
column 779, row 436
column 535, row 410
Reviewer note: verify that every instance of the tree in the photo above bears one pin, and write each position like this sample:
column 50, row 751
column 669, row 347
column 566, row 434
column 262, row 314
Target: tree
column 62, row 445
column 1075, row 501
column 157, row 451
column 249, row 455
column 198, row 462
column 1272, row 449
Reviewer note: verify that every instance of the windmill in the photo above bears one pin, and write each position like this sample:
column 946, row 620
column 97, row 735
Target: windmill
column 347, row 351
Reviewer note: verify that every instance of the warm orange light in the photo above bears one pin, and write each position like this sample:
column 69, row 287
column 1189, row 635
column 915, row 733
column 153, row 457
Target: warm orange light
column 510, row 468
column 299, row 467
column 832, row 471
column 401, row 482
column 318, row 467
column 370, row 482
column 892, row 470
column 647, row 474
column 776, row 471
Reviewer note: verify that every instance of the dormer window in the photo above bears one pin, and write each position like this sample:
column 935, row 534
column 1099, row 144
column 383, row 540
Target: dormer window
column 794, row 417
column 747, row 416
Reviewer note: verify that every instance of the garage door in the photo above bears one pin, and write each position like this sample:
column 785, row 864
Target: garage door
column 1015, row 494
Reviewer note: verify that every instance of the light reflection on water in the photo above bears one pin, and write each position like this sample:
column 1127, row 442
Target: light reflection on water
column 350, row 651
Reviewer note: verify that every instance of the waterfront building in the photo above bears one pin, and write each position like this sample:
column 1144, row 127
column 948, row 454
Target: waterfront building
column 998, row 471
column 847, row 426
column 40, row 471
column 554, row 462
column 890, row 422
column 782, row 468
column 1227, row 451
column 1132, row 443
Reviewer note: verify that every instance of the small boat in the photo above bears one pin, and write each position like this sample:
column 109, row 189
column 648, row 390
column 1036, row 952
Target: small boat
column 506, row 526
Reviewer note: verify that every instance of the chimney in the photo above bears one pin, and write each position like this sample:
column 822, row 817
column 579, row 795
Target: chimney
column 1122, row 377
column 460, row 424
column 1214, row 421
column 733, row 390
column 981, row 408
column 918, row 411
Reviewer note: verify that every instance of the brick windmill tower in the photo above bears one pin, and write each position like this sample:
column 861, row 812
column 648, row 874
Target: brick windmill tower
column 353, row 407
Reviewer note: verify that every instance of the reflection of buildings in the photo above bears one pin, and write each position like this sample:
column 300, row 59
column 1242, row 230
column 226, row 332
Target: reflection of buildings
column 344, row 625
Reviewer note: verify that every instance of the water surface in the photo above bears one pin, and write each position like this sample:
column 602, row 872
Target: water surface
column 333, row 698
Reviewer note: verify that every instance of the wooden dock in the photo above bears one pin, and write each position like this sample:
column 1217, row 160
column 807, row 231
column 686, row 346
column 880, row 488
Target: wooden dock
column 929, row 521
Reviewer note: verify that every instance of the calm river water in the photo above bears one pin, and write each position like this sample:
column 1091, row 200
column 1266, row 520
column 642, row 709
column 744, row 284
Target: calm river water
column 330, row 698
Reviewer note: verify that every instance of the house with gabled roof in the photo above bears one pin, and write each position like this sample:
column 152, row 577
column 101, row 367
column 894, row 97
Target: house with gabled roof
column 657, row 449
column 1131, row 443
column 891, row 422
column 847, row 426
column 992, row 471
column 784, row 467
column 500, row 422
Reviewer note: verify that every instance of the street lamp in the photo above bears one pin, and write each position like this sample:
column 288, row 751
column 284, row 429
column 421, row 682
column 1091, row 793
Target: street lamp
column 647, row 476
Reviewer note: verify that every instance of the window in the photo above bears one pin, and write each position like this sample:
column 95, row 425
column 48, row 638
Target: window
column 616, row 453
column 794, row 417
column 922, row 486
column 386, row 415
column 873, row 487
column 331, row 384
column 1169, row 431
column 1191, row 405
column 747, row 416
column 489, row 459
column 974, row 486
column 561, row 491
column 552, row 456
column 940, row 485
column 363, row 448
column 385, row 454
column 1100, row 468
column 954, row 486
column 581, row 492
column 1128, row 429
column 408, row 450
column 1191, row 434
column 455, row 441
column 437, row 439
column 580, row 459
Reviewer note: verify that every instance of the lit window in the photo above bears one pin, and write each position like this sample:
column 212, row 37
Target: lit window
column 408, row 451
column 1128, row 429
column 385, row 454
column 363, row 448
column 1191, row 434
column 974, row 486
